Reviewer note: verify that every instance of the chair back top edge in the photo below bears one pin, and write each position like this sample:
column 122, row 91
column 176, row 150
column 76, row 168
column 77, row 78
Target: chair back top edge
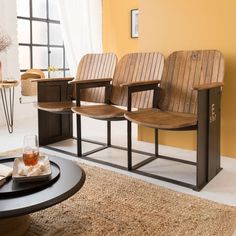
column 183, row 70
column 134, row 67
column 95, row 66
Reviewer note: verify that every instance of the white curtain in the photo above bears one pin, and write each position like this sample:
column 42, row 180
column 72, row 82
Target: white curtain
column 81, row 22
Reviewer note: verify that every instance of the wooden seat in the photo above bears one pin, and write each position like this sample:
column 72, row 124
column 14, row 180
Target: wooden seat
column 188, row 98
column 56, row 107
column 155, row 118
column 101, row 112
column 135, row 68
column 56, row 96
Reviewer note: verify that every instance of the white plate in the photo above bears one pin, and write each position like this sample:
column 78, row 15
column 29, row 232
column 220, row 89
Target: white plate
column 19, row 165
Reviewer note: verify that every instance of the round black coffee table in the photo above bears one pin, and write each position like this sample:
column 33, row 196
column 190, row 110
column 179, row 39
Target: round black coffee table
column 15, row 210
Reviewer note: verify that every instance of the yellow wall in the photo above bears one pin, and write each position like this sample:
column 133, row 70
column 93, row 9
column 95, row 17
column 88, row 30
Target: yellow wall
column 116, row 26
column 167, row 25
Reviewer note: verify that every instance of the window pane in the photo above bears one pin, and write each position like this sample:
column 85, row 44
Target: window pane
column 57, row 74
column 56, row 57
column 24, row 57
column 39, row 32
column 68, row 73
column 39, row 8
column 23, row 8
column 66, row 63
column 46, row 74
column 53, row 10
column 55, row 34
column 40, row 57
column 23, row 31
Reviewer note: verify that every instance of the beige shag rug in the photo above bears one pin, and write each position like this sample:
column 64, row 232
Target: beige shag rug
column 114, row 204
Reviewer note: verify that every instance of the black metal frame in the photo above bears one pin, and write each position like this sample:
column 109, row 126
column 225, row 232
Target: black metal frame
column 8, row 106
column 107, row 85
column 48, row 45
column 208, row 138
column 208, row 132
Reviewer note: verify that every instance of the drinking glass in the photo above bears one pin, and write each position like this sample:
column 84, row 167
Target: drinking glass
column 30, row 150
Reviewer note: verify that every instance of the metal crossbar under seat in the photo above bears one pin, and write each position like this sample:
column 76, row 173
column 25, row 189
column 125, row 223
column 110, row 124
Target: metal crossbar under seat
column 135, row 168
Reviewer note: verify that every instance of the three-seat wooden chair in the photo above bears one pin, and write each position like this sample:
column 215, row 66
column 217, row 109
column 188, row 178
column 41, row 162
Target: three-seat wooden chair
column 188, row 99
column 137, row 69
column 56, row 97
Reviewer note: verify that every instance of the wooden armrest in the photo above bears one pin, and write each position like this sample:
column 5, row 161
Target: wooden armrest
column 92, row 83
column 52, row 80
column 208, row 86
column 140, row 83
column 89, row 81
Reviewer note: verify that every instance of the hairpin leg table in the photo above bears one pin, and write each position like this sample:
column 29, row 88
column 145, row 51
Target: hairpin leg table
column 7, row 88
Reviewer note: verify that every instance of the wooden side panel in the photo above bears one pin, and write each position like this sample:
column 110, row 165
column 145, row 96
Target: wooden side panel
column 183, row 70
column 96, row 66
column 53, row 127
column 136, row 67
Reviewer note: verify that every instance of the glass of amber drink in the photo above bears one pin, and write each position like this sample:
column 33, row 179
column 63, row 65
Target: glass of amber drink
column 30, row 150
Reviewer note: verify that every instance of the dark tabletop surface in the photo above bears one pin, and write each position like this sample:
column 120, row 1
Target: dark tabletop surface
column 71, row 179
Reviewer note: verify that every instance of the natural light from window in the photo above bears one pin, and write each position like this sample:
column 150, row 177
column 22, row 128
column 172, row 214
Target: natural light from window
column 39, row 35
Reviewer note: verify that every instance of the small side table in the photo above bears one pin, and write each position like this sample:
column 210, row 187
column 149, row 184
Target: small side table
column 7, row 88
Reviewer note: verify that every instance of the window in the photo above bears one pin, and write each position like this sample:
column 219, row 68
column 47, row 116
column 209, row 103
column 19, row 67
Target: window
column 40, row 40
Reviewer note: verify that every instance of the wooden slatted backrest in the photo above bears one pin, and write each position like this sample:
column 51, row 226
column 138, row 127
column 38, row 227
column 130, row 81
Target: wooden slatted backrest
column 183, row 70
column 136, row 67
column 96, row 66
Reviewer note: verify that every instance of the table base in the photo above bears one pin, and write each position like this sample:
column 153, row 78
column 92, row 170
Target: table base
column 15, row 226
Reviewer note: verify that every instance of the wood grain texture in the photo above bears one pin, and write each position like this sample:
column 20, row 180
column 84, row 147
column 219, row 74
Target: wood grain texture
column 185, row 70
column 158, row 119
column 208, row 86
column 91, row 67
column 52, row 80
column 184, row 73
column 95, row 66
column 133, row 68
column 90, row 81
column 133, row 84
column 59, row 107
column 103, row 112
column 9, row 84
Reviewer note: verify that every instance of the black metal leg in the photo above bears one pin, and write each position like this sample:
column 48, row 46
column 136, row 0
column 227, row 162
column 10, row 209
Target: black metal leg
column 129, row 144
column 214, row 133
column 8, row 107
column 79, row 141
column 108, row 133
column 202, row 140
column 156, row 143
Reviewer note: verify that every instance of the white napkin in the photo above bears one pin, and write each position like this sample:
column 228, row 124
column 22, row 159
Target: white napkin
column 35, row 170
column 5, row 171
